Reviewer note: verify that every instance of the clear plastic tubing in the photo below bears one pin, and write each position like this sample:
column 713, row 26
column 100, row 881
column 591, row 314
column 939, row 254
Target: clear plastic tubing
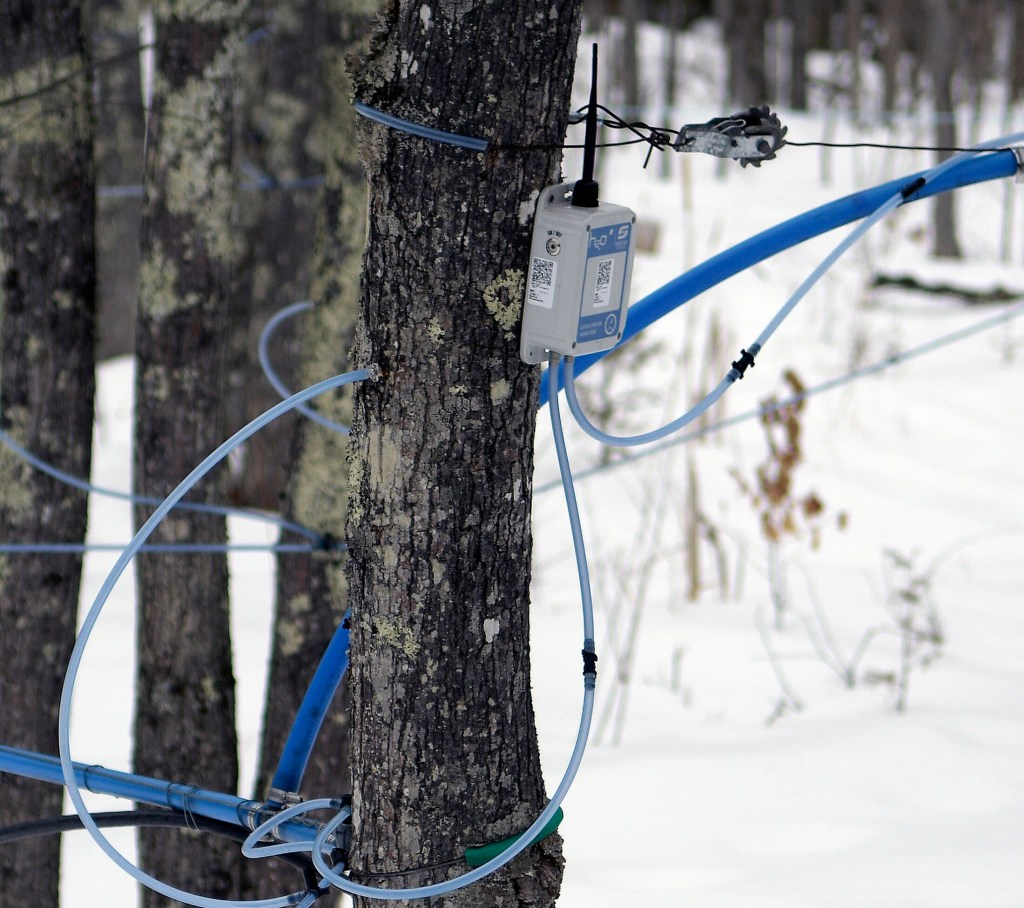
column 276, row 383
column 89, row 623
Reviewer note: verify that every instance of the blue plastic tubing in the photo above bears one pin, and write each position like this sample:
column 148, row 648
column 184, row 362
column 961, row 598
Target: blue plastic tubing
column 310, row 716
column 734, row 374
column 68, row 768
column 174, row 795
column 975, row 168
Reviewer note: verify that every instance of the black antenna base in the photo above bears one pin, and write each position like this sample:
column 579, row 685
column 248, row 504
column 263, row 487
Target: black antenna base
column 584, row 194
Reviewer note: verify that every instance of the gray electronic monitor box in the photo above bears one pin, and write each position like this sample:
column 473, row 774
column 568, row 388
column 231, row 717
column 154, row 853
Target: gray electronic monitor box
column 577, row 288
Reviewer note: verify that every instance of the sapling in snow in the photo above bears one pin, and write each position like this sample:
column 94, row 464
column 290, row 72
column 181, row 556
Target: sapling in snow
column 783, row 512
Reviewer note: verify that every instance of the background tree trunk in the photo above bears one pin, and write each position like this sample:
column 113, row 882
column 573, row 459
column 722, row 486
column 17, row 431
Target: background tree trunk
column 892, row 20
column 47, row 308
column 444, row 749
column 630, row 84
column 185, row 701
column 311, row 589
column 943, row 53
column 276, row 214
column 743, row 26
column 119, row 137
column 800, row 43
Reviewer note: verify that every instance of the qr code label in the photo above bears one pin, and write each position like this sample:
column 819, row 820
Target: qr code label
column 603, row 285
column 541, row 291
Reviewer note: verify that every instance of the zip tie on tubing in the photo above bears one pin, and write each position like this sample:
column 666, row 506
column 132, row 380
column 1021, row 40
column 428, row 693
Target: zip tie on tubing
column 89, row 623
column 519, row 843
column 970, row 168
column 747, row 359
column 275, row 380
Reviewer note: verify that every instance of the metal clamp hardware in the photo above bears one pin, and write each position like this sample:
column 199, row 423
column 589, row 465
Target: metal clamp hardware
column 750, row 137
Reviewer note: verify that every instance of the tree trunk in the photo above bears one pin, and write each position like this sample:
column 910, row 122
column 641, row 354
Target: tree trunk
column 277, row 214
column 119, row 137
column 743, row 25
column 47, row 313
column 311, row 589
column 185, row 701
column 1016, row 19
column 631, row 87
column 892, row 23
column 444, row 748
column 854, row 35
column 943, row 52
column 799, row 46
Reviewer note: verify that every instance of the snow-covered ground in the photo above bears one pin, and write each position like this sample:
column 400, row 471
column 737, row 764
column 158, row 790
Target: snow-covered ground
column 732, row 765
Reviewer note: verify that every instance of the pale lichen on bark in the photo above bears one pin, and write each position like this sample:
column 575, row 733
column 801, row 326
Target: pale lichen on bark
column 159, row 295
column 199, row 180
column 17, row 497
column 50, row 109
column 503, row 298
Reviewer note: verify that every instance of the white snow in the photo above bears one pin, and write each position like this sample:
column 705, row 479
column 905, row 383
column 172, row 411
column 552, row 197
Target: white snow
column 699, row 789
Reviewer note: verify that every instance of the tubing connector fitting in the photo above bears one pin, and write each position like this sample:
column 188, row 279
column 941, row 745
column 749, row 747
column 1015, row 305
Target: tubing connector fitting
column 589, row 663
column 746, row 361
column 908, row 190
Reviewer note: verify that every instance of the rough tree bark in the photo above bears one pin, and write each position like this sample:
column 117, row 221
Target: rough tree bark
column 47, row 302
column 444, row 747
column 185, row 700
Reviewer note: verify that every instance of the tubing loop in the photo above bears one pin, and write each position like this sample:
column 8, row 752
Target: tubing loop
column 67, row 766
column 320, row 848
column 269, row 828
column 263, row 352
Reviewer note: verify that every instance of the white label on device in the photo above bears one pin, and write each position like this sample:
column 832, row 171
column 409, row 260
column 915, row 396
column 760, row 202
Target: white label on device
column 603, row 286
column 542, row 282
